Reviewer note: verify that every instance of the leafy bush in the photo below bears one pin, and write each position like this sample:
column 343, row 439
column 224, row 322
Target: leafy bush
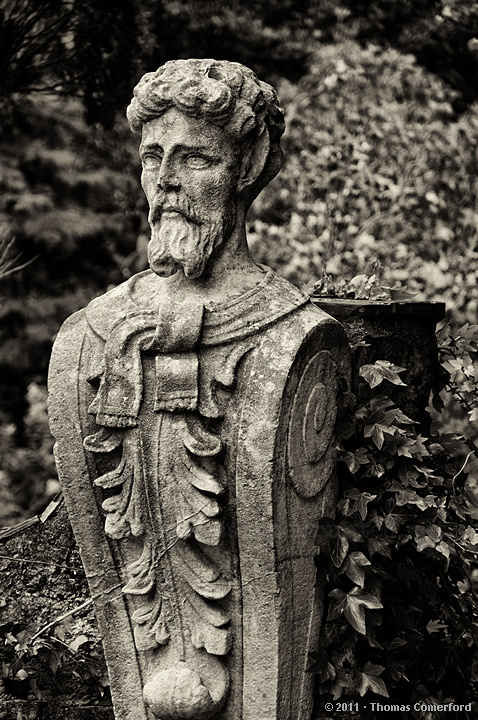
column 376, row 167
column 71, row 207
column 43, row 664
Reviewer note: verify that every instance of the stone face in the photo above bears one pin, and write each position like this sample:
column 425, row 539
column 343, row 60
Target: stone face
column 194, row 409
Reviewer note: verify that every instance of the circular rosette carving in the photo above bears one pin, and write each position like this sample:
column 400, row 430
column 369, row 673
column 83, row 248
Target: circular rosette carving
column 311, row 427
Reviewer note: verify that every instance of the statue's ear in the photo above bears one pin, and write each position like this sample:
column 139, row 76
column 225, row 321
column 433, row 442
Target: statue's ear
column 254, row 159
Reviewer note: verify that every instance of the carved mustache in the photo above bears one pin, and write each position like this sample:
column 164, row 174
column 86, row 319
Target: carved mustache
column 173, row 203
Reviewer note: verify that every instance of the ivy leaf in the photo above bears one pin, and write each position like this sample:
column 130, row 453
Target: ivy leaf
column 354, row 567
column 471, row 535
column 397, row 670
column 322, row 666
column 337, row 607
column 452, row 443
column 381, row 370
column 362, row 502
column 353, row 605
column 473, row 414
column 335, row 539
column 427, row 536
column 336, row 686
column 369, row 679
column 443, row 548
column 435, row 626
column 23, row 638
column 393, row 521
column 355, row 501
column 346, row 527
column 77, row 642
column 374, row 470
column 412, row 447
column 377, row 432
column 379, row 545
column 410, row 497
column 53, row 658
column 409, row 476
column 355, row 460
column 339, row 546
column 356, row 603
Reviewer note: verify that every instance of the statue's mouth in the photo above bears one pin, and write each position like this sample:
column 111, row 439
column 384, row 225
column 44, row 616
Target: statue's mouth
column 169, row 210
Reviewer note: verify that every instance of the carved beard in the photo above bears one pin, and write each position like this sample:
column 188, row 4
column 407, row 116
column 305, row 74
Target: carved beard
column 183, row 239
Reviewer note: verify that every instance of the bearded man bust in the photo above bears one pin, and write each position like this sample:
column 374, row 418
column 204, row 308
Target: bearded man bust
column 194, row 409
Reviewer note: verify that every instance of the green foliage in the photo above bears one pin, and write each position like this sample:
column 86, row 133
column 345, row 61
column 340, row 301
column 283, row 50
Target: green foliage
column 376, row 168
column 437, row 32
column 71, row 208
column 67, row 198
column 28, row 478
column 271, row 38
column 42, row 664
column 398, row 562
column 459, row 360
column 366, row 286
column 71, row 47
column 97, row 49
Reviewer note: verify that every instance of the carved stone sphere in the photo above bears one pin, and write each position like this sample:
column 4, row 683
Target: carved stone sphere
column 178, row 694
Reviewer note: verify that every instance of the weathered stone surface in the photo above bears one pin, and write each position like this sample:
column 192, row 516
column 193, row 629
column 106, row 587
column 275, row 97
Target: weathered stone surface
column 194, row 410
column 401, row 332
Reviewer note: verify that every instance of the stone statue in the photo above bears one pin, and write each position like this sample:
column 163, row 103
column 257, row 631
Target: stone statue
column 193, row 409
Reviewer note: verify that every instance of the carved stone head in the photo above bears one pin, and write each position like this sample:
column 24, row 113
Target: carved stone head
column 210, row 134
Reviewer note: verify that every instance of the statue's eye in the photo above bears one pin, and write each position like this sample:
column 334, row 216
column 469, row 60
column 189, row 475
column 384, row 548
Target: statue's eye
column 150, row 162
column 197, row 162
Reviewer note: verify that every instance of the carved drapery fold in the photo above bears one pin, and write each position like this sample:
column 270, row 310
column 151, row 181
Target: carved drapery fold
column 169, row 494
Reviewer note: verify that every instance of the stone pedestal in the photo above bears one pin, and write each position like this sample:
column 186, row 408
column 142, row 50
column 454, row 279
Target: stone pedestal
column 400, row 332
column 197, row 527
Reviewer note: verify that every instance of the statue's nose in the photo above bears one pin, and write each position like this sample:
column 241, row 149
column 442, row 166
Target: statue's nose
column 167, row 175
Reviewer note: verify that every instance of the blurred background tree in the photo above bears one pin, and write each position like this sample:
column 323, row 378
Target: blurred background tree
column 380, row 161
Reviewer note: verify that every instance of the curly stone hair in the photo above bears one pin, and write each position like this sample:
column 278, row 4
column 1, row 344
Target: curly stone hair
column 226, row 94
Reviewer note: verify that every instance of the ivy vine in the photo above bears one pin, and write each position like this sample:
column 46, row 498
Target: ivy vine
column 398, row 562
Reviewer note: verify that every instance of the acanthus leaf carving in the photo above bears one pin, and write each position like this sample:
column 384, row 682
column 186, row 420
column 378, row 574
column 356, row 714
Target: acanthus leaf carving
column 150, row 628
column 168, row 490
column 191, row 479
column 208, row 627
column 142, row 578
column 193, row 474
column 104, row 441
column 125, row 511
column 202, row 575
